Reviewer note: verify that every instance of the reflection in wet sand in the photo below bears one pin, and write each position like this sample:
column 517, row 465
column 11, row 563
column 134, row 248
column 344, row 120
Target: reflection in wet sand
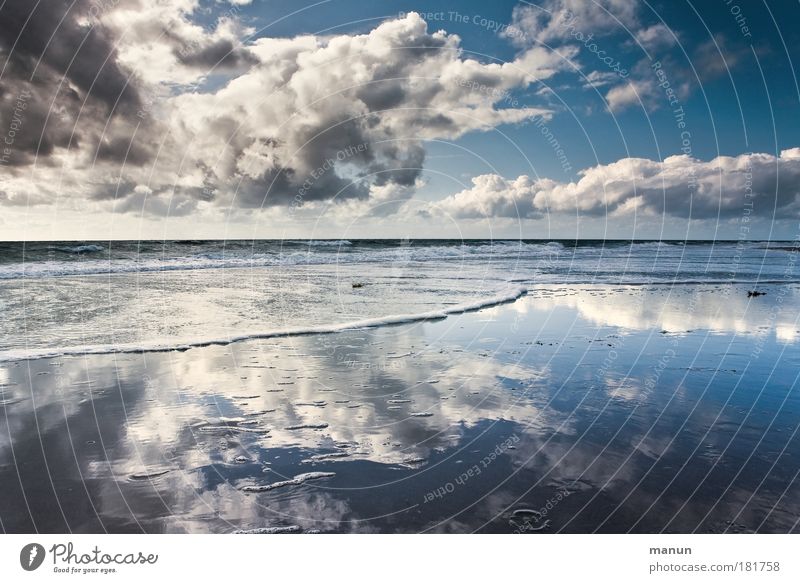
column 573, row 409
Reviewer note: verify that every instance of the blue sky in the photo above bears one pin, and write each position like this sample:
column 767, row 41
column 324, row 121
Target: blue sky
column 712, row 81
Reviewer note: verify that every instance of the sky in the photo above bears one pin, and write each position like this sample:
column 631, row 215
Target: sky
column 151, row 119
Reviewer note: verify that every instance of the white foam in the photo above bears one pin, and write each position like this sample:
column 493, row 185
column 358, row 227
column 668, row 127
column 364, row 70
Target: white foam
column 270, row 530
column 148, row 475
column 508, row 295
column 296, row 481
column 307, row 426
column 316, row 253
column 342, row 243
column 80, row 249
column 325, row 457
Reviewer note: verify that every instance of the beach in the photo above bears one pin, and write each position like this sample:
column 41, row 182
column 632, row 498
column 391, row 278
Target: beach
column 624, row 402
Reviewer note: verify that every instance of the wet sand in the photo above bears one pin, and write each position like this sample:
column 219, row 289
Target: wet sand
column 573, row 409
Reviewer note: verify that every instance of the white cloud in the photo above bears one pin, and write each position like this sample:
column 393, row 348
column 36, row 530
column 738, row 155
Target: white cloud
column 597, row 79
column 557, row 20
column 160, row 44
column 632, row 92
column 730, row 187
column 295, row 120
column 657, row 36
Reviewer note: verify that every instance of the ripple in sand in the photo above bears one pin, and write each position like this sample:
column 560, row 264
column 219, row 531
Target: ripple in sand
column 296, row 481
column 147, row 475
column 398, row 401
column 307, row 426
column 7, row 402
column 233, row 428
column 325, row 457
column 256, row 413
column 270, row 530
column 421, row 414
column 413, row 461
column 528, row 520
column 310, row 404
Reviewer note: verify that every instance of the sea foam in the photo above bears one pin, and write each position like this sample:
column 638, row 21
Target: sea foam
column 508, row 295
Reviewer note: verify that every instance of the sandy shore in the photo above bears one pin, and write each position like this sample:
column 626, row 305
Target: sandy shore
column 573, row 409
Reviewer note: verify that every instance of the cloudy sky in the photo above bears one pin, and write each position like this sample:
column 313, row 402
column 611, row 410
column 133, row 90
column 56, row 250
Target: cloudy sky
column 344, row 119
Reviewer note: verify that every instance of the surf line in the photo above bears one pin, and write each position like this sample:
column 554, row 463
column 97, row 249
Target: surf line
column 507, row 296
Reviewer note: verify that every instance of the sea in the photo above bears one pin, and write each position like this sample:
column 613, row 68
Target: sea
column 112, row 296
column 384, row 386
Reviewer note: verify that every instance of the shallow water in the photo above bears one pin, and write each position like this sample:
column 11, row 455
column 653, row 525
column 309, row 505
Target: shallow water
column 60, row 296
column 577, row 408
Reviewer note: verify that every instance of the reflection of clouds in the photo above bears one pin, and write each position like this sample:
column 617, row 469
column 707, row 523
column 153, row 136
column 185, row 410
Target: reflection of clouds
column 787, row 333
column 458, row 392
column 41, row 395
column 371, row 383
column 678, row 309
column 153, row 413
column 628, row 389
column 189, row 503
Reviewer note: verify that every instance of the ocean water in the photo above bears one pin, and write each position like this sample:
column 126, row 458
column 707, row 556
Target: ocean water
column 121, row 296
column 501, row 387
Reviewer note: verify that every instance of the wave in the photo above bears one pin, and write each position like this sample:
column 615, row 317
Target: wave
column 656, row 244
column 297, row 257
column 325, row 243
column 80, row 249
column 509, row 295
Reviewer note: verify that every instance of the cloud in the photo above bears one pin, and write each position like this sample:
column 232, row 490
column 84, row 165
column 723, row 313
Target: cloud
column 160, row 43
column 597, row 79
column 336, row 117
column 728, row 187
column 595, row 27
column 66, row 72
column 630, row 93
column 716, row 57
column 291, row 121
column 556, row 20
column 656, row 37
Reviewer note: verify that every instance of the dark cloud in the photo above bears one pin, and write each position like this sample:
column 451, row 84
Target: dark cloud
column 67, row 72
column 124, row 150
column 51, row 34
column 220, row 54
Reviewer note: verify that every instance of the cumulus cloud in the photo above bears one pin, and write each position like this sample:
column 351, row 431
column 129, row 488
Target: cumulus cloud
column 161, row 44
column 680, row 186
column 67, row 75
column 341, row 116
column 293, row 120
